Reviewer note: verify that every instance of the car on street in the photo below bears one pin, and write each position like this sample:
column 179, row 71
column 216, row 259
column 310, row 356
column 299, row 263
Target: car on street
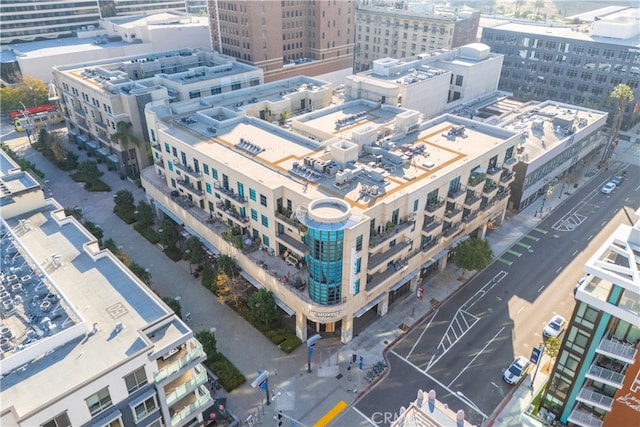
column 608, row 188
column 617, row 180
column 555, row 326
column 518, row 368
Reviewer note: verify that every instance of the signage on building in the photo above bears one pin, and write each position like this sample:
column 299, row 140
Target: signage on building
column 325, row 314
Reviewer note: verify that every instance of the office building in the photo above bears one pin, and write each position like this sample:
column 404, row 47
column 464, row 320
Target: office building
column 427, row 411
column 83, row 341
column 97, row 96
column 285, row 38
column 407, row 28
column 352, row 204
column 430, row 83
column 574, row 64
column 29, row 20
column 596, row 377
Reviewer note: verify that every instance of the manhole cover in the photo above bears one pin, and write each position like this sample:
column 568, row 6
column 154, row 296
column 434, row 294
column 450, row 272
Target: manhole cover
column 386, row 342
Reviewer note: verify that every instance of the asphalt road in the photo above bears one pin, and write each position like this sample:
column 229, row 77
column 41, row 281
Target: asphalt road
column 466, row 344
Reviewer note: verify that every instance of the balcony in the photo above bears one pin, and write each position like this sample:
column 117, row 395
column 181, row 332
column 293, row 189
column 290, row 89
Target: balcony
column 192, row 352
column 430, row 244
column 472, row 201
column 456, row 195
column 187, row 169
column 103, row 125
column 186, row 384
column 452, row 213
column 80, row 111
column 232, row 213
column 510, row 162
column 377, row 279
column 286, row 217
column 188, row 187
column 230, row 193
column 475, row 180
column 507, row 177
column 617, row 350
column 606, row 376
column 470, row 217
column 293, row 244
column 376, row 259
column 378, row 239
column 494, row 171
column 505, row 193
column 593, row 397
column 156, row 146
column 489, row 189
column 436, row 224
column 434, row 206
column 583, row 418
column 451, row 231
column 192, row 409
column 159, row 163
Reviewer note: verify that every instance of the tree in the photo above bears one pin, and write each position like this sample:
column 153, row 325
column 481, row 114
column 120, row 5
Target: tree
column 621, row 95
column 169, row 235
column 208, row 341
column 124, row 134
column 194, row 246
column 227, row 265
column 31, row 92
column 90, row 170
column 552, row 345
column 473, row 254
column 123, row 199
column 173, row 305
column 263, row 308
column 144, row 215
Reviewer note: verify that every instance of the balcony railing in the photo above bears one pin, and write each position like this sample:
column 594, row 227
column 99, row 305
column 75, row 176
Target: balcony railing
column 503, row 194
column 378, row 278
column 191, row 356
column 231, row 213
column 159, row 163
column 471, row 199
column 430, row 244
column 467, row 219
column 507, row 177
column 156, row 146
column 433, row 225
column 454, row 195
column 617, row 350
column 190, row 188
column 476, row 179
column 230, row 193
column 607, row 376
column 434, row 206
column 187, row 169
column 584, row 418
column 386, row 235
column 489, row 189
column 195, row 408
column 188, row 387
column 451, row 213
column 451, row 231
column 376, row 259
column 510, row 161
column 291, row 221
column 594, row 398
column 493, row 171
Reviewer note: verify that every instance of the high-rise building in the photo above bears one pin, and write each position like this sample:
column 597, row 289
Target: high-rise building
column 29, row 20
column 285, row 38
column 596, row 377
column 402, row 29
column 577, row 64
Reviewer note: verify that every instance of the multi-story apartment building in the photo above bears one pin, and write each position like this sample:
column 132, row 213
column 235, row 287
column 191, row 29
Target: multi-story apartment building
column 98, row 96
column 285, row 38
column 352, row 204
column 430, row 83
column 579, row 65
column 83, row 341
column 554, row 139
column 28, row 20
column 596, row 377
column 403, row 29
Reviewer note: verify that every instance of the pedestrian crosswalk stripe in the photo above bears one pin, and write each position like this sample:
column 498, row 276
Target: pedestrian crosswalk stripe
column 524, row 245
column 512, row 252
column 540, row 230
column 504, row 261
column 534, row 238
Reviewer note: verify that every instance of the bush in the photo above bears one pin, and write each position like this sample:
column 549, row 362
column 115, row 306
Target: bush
column 228, row 375
column 97, row 186
column 209, row 280
column 290, row 344
column 148, row 233
column 173, row 253
column 126, row 215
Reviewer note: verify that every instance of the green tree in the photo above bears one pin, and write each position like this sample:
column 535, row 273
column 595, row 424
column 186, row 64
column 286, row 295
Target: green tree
column 90, row 170
column 263, row 308
column 473, row 254
column 169, row 235
column 173, row 305
column 30, row 93
column 194, row 246
column 144, row 215
column 94, row 229
column 124, row 135
column 228, row 266
column 552, row 345
column 123, row 199
column 208, row 341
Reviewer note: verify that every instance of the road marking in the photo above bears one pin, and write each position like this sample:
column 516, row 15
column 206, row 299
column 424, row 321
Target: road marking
column 422, row 334
column 523, row 245
column 494, row 384
column 521, row 308
column 590, row 237
column 540, row 288
column 534, row 238
column 504, row 261
column 514, row 253
column 369, row 420
column 498, row 298
column 540, row 230
column 331, row 414
column 574, row 253
column 476, row 356
column 558, row 270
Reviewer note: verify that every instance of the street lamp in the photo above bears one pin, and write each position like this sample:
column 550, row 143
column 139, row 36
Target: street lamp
column 472, row 405
column 29, row 125
column 188, row 252
column 543, row 349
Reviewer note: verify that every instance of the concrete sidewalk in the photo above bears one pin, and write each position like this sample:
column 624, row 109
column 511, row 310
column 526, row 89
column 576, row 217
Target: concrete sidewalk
column 302, row 396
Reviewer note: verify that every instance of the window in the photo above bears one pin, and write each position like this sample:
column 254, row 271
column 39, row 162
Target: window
column 415, row 205
column 61, row 420
column 265, row 240
column 254, row 214
column 136, row 379
column 99, row 401
column 208, row 187
column 359, row 243
column 252, row 194
column 214, row 173
column 356, row 287
column 167, row 148
column 263, row 200
column 205, row 168
column 358, row 266
column 265, row 220
column 459, row 80
column 143, row 409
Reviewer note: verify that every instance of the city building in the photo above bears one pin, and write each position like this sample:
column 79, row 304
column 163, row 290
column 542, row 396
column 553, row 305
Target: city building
column 596, row 377
column 554, row 139
column 83, row 341
column 576, row 64
column 285, row 38
column 103, row 101
column 425, row 411
column 338, row 211
column 30, row 20
column 430, row 83
column 400, row 29
column 111, row 38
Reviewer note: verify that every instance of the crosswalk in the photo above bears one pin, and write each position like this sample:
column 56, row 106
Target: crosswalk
column 522, row 246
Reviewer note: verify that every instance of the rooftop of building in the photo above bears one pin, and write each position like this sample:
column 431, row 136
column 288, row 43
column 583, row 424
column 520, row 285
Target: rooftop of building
column 166, row 18
column 13, row 181
column 419, row 9
column 428, row 411
column 54, row 47
column 320, row 153
column 70, row 311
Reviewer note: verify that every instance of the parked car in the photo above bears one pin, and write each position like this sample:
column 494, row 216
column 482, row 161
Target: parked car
column 608, row 188
column 555, row 326
column 518, row 368
column 617, row 180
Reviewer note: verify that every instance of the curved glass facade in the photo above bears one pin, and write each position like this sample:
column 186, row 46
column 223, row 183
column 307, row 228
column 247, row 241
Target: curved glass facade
column 325, row 265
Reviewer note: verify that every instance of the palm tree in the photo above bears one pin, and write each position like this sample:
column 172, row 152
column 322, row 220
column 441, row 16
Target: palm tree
column 124, row 136
column 621, row 94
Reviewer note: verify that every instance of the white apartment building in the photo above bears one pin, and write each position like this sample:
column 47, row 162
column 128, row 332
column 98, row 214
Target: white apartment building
column 352, row 204
column 430, row 83
column 98, row 95
column 83, row 341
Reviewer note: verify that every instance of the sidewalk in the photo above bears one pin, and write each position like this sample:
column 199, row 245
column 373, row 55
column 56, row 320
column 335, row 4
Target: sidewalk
column 302, row 396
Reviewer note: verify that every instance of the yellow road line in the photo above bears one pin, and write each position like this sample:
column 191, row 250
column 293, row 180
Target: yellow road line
column 329, row 416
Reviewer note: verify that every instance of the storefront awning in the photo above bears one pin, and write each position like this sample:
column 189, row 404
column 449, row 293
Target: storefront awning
column 113, row 158
column 168, row 213
column 404, row 280
column 92, row 144
column 284, row 306
column 370, row 304
column 102, row 151
column 251, row 280
column 457, row 242
column 204, row 241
